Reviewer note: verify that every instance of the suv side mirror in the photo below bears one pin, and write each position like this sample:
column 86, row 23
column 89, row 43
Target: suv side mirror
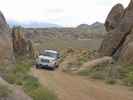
column 58, row 57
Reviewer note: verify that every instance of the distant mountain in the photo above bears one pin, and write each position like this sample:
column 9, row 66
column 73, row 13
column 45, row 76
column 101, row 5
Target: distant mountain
column 83, row 26
column 32, row 24
column 97, row 25
column 83, row 31
column 96, row 28
column 94, row 25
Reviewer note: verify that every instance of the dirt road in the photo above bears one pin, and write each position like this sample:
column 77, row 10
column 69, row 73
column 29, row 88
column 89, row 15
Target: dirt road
column 72, row 87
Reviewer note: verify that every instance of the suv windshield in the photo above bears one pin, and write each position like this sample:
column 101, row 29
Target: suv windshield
column 50, row 54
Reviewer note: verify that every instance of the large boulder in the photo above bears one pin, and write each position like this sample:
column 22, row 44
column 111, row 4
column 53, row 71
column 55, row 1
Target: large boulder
column 5, row 41
column 96, row 62
column 125, row 52
column 114, row 17
column 118, row 41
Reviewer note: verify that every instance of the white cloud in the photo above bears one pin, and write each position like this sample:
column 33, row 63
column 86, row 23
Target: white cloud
column 64, row 12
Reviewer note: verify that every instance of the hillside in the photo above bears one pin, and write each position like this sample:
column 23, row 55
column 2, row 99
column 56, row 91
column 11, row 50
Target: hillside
column 95, row 30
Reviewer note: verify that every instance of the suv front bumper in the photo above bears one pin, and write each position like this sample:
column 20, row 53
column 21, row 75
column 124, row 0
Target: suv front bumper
column 45, row 66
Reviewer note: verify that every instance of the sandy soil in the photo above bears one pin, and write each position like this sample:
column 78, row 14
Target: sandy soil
column 73, row 87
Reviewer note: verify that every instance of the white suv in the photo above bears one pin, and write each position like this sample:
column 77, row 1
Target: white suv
column 48, row 59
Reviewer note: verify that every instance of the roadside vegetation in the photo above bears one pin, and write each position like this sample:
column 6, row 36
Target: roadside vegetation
column 101, row 72
column 121, row 74
column 126, row 74
column 5, row 91
column 20, row 75
column 73, row 59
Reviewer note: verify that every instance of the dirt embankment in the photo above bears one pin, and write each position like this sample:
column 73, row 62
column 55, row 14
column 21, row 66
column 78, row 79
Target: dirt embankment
column 72, row 87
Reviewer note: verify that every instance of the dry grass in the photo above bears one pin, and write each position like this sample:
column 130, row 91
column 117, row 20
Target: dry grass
column 73, row 59
column 92, row 44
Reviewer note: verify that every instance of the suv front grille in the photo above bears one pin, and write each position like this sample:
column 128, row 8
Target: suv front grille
column 45, row 60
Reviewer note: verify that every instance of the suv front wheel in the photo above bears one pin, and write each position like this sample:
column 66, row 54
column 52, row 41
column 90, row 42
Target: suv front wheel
column 37, row 66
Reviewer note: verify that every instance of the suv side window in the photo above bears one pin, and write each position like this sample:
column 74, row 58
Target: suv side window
column 58, row 56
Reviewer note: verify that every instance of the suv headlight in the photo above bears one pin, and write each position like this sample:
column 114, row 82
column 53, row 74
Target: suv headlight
column 52, row 61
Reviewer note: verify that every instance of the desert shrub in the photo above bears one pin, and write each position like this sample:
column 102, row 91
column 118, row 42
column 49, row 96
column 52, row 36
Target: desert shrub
column 126, row 74
column 41, row 93
column 110, row 81
column 74, row 58
column 30, row 83
column 70, row 50
column 102, row 72
column 4, row 91
column 15, row 78
column 18, row 73
column 98, row 75
column 82, row 60
column 124, row 70
column 84, row 56
column 84, row 72
column 130, row 78
column 111, row 73
column 34, row 89
column 96, row 72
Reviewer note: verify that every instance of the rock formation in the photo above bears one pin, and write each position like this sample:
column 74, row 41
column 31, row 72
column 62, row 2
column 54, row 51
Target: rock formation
column 5, row 44
column 119, row 40
column 21, row 46
column 114, row 17
column 96, row 62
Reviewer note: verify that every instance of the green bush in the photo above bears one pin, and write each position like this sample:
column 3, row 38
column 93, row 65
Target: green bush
column 30, row 83
column 42, row 94
column 98, row 75
column 19, row 75
column 111, row 73
column 129, row 79
column 125, row 70
column 4, row 91
column 33, row 88
column 101, row 72
column 92, row 73
column 110, row 81
column 15, row 78
column 126, row 74
column 82, row 60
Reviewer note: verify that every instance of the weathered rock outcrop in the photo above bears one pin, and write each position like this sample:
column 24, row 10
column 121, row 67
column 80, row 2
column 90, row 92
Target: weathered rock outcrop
column 118, row 42
column 114, row 17
column 21, row 46
column 5, row 43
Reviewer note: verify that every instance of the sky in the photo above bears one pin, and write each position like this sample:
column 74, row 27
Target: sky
column 62, row 12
